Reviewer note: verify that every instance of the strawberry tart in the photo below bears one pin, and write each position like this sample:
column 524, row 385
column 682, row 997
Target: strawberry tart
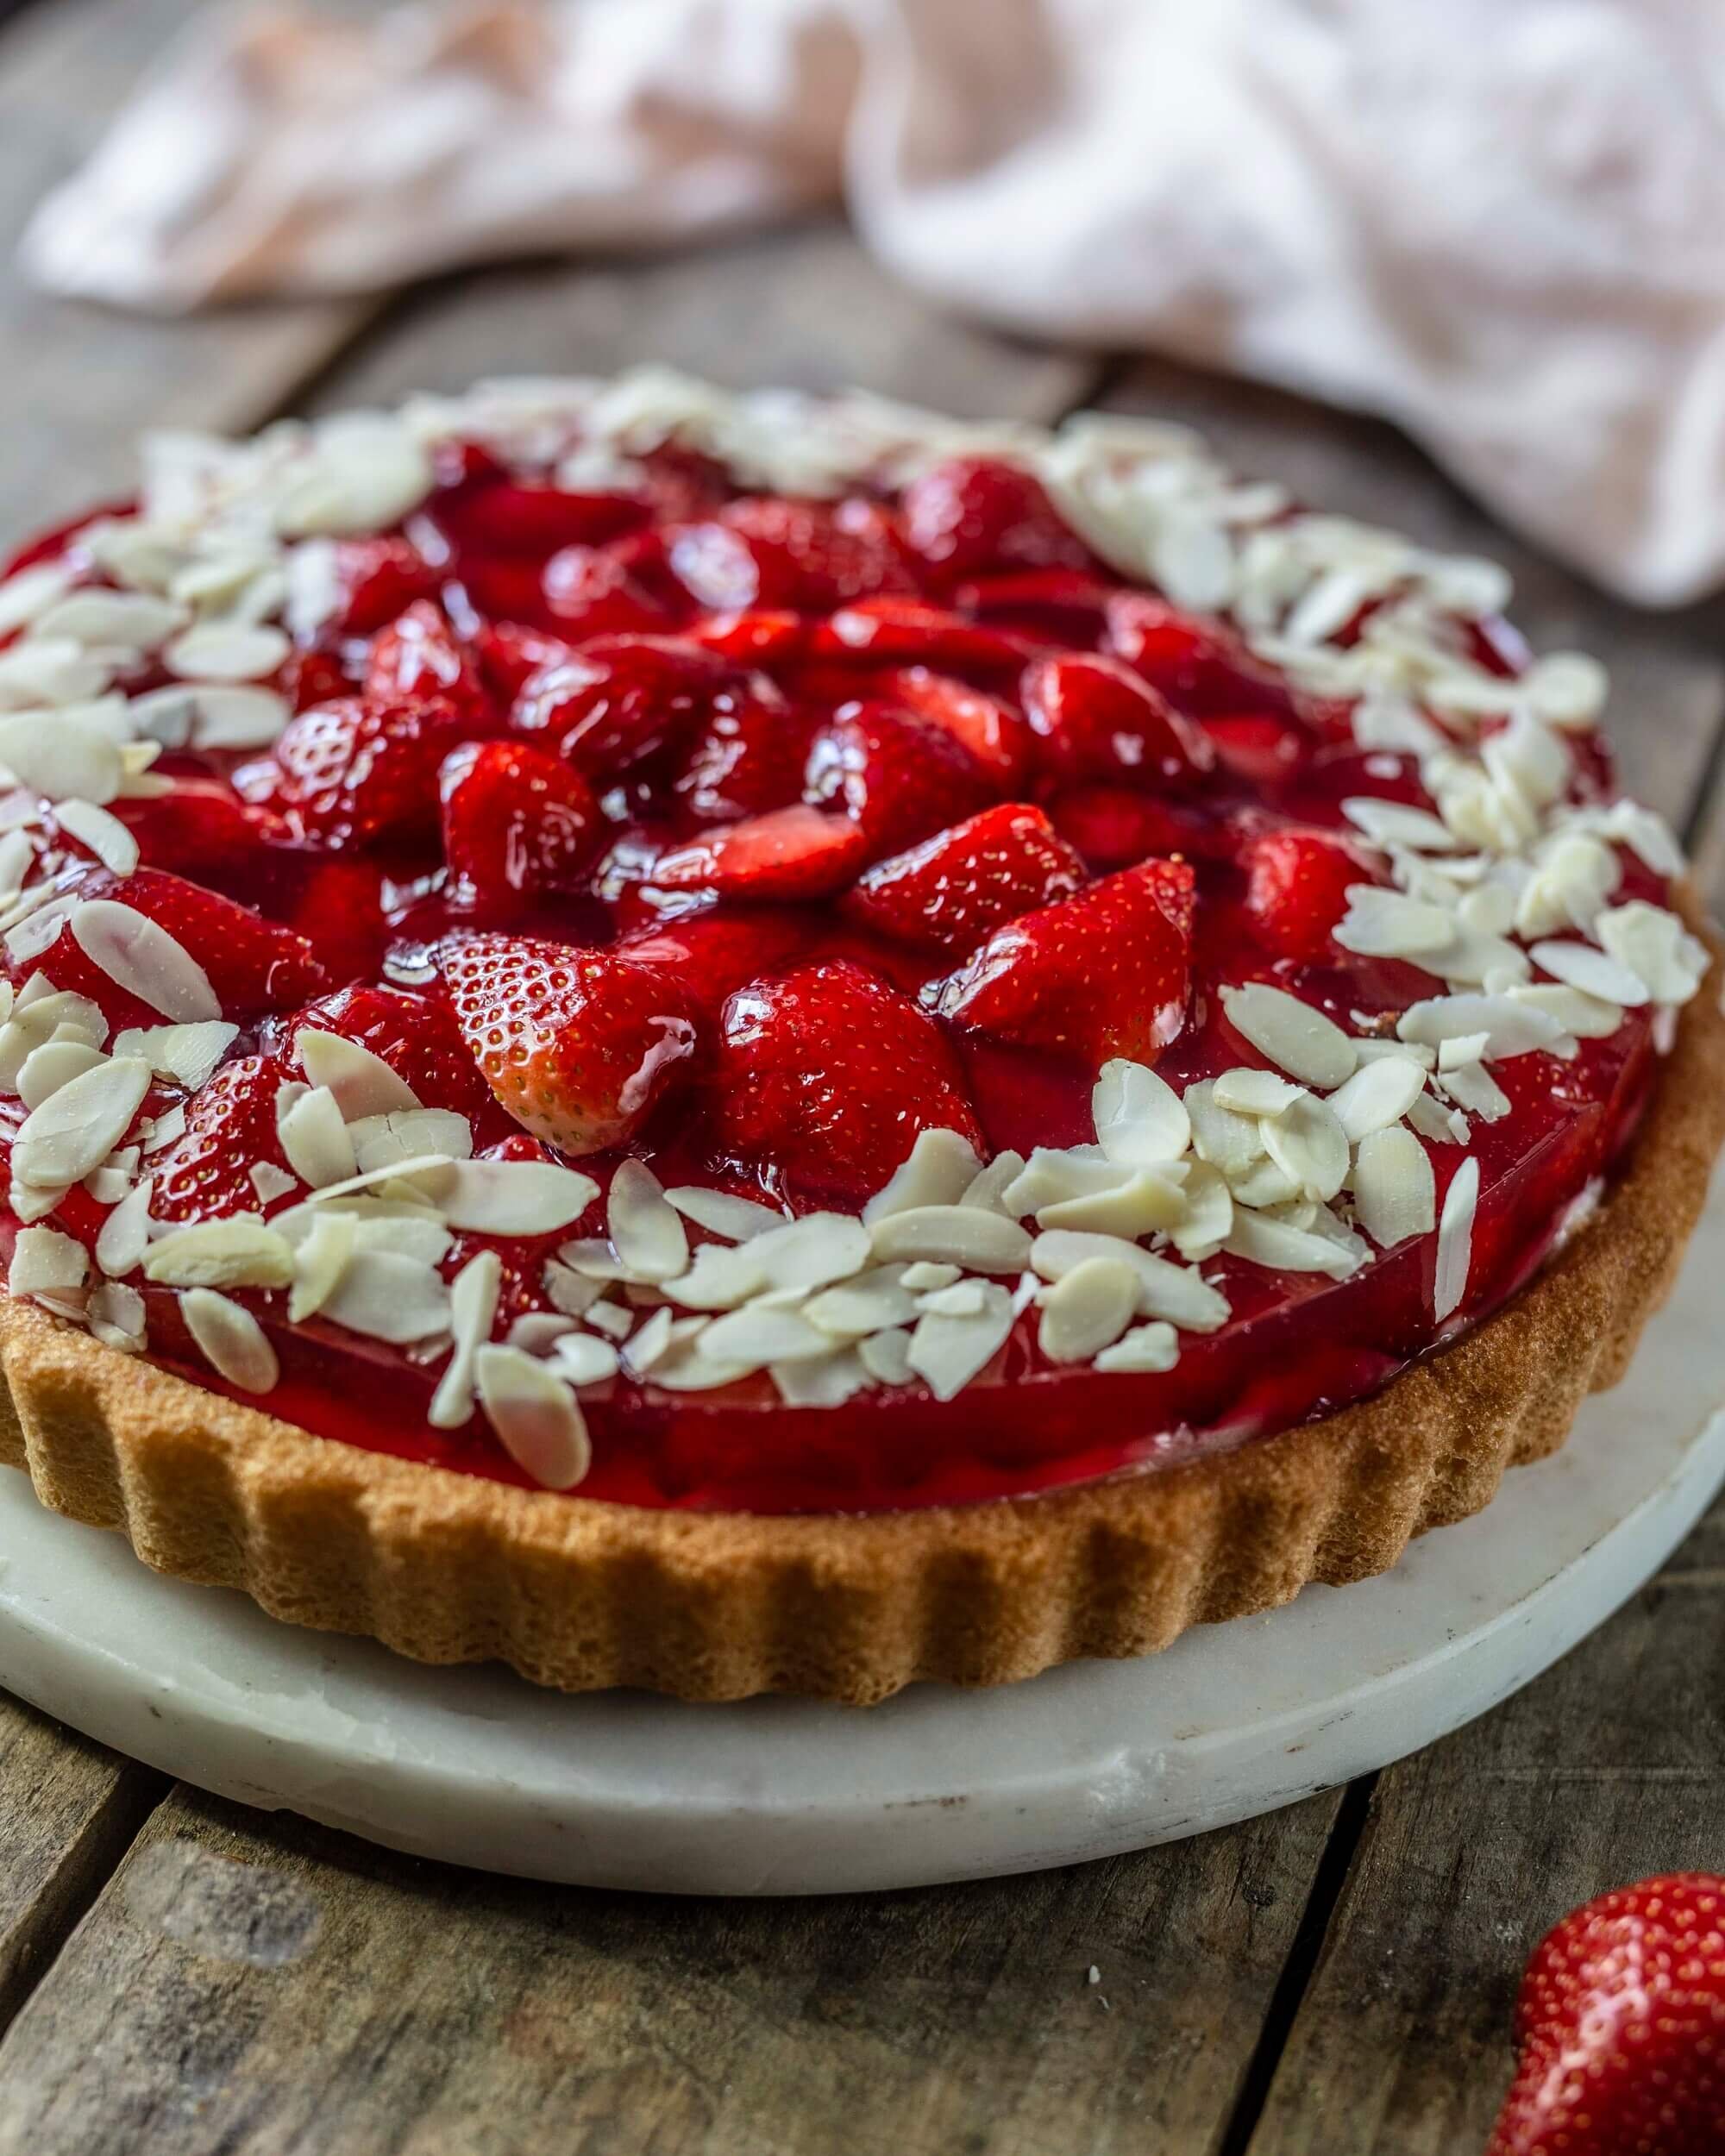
column 747, row 1043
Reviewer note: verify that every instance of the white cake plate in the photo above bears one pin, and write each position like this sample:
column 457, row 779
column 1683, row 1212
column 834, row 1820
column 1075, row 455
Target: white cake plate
column 784, row 1797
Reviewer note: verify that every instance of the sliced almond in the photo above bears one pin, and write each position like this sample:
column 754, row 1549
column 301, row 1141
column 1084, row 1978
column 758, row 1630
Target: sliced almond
column 1210, row 1214
column 1177, row 1293
column 1455, row 1239
column 321, row 1262
column 1146, row 1349
column 1380, row 1092
column 1247, row 1090
column 535, row 1415
column 315, row 1140
column 953, row 1235
column 1229, row 1142
column 144, row 959
column 52, row 1065
column 1512, row 1027
column 79, row 1125
column 234, row 1343
column 1275, row 1244
column 45, row 1262
column 392, row 1297
column 872, row 1302
column 826, row 1381
column 1140, row 1121
column 227, row 651
column 363, row 1084
column 106, row 837
column 220, row 1254
column 1296, row 1037
column 474, row 1295
column 1308, row 1142
column 886, row 1356
column 947, row 1352
column 736, row 1219
column 583, row 1360
column 408, row 1134
column 507, row 1197
column 940, row 1167
column 1394, row 1189
column 1087, row 1310
column 1149, row 1202
column 186, row 1054
column 646, row 1229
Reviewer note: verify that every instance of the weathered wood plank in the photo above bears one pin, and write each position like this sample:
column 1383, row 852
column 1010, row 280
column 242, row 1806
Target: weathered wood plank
column 1668, row 670
column 68, row 1811
column 804, row 309
column 1605, row 1769
column 80, row 381
column 450, row 2013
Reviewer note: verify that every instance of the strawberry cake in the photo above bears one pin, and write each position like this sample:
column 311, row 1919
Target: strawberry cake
column 747, row 1043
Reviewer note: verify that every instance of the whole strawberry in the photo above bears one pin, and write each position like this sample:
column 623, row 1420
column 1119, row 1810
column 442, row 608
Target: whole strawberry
column 1621, row 2024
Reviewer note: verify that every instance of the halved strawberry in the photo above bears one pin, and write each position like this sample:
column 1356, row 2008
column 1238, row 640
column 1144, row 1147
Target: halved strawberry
column 758, row 636
column 355, row 772
column 899, row 777
column 199, row 828
column 823, row 1076
column 769, row 552
column 414, row 1032
column 1106, row 973
column 418, row 657
column 950, row 892
column 710, row 954
column 793, row 853
column 623, row 699
column 579, row 1045
column 376, row 581
column 590, row 593
column 252, row 965
column 206, row 1174
column 1296, row 889
column 1199, row 664
column 509, row 517
column 311, row 677
column 911, row 632
column 974, row 513
column 1093, row 718
column 748, row 757
column 1621, row 2023
column 1112, row 826
column 510, row 654
column 995, row 734
column 517, row 821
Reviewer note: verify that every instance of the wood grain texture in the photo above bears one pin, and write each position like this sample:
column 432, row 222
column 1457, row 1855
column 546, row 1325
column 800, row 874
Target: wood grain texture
column 466, row 2016
column 68, row 1811
column 1667, row 670
column 88, row 378
column 1603, row 1771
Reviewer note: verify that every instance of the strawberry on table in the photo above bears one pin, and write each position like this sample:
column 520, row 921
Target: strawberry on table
column 1621, row 2024
column 747, row 758
column 950, row 891
column 1093, row 718
column 1296, row 889
column 1104, row 973
column 517, row 821
column 898, row 777
column 579, row 1045
column 824, row 1076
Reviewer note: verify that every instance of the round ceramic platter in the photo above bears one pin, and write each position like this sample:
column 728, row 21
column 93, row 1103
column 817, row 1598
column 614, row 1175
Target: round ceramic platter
column 784, row 1797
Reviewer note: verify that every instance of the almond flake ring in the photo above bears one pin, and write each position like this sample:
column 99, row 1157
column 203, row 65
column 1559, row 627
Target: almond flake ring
column 583, row 1594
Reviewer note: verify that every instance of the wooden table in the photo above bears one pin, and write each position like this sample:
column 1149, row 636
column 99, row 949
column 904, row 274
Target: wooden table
column 180, row 1976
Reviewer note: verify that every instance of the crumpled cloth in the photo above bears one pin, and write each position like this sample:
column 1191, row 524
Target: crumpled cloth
column 1501, row 226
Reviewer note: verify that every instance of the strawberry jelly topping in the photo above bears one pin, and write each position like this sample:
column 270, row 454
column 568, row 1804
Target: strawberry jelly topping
column 768, row 763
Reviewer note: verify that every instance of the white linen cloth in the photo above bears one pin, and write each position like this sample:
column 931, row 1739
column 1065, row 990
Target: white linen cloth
column 1499, row 222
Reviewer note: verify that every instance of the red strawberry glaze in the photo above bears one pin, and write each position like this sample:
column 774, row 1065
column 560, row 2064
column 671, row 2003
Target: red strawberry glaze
column 771, row 699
